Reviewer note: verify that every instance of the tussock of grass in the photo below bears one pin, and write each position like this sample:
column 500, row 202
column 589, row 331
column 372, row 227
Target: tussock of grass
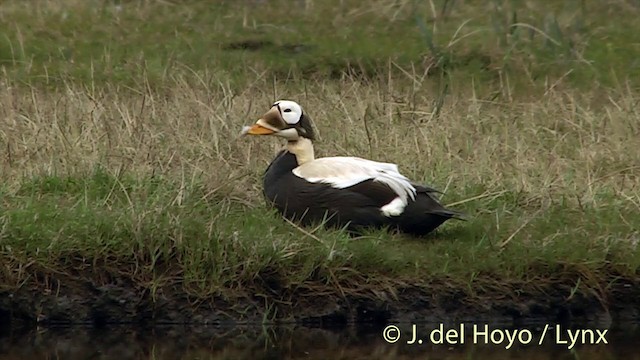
column 128, row 164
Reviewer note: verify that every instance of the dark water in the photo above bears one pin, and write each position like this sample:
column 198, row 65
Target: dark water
column 257, row 342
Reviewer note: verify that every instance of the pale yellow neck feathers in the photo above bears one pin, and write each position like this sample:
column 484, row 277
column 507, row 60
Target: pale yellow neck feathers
column 302, row 149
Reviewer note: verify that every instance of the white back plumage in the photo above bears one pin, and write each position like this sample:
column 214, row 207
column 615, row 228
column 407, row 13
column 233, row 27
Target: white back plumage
column 342, row 172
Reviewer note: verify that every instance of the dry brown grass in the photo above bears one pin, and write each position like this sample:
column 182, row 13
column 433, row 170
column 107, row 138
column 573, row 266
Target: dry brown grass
column 565, row 143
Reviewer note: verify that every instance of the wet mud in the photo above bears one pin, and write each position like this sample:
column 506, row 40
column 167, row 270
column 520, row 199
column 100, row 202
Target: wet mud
column 84, row 302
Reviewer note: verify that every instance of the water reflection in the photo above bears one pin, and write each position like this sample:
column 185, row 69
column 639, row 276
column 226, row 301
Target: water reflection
column 256, row 342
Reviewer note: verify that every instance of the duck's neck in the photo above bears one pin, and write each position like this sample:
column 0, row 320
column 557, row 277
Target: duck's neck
column 302, row 149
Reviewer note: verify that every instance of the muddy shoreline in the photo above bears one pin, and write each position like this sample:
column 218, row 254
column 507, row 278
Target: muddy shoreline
column 82, row 302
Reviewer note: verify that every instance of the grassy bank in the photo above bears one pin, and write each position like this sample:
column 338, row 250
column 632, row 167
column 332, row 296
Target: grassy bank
column 121, row 162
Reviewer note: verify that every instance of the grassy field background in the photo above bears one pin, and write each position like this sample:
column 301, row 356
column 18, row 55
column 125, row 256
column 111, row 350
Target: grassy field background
column 121, row 159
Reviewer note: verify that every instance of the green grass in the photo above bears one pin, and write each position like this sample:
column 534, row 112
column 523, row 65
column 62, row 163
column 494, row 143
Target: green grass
column 175, row 234
column 120, row 154
column 134, row 42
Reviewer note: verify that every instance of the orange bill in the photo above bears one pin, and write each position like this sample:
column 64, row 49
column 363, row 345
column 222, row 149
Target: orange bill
column 257, row 130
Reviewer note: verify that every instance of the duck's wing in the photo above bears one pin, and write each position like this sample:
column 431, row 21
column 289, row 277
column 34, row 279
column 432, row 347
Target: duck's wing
column 376, row 179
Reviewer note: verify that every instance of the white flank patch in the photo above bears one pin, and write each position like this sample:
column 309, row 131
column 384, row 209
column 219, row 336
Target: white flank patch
column 342, row 172
column 394, row 208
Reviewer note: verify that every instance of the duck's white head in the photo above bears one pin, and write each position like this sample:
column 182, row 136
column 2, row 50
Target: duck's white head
column 285, row 119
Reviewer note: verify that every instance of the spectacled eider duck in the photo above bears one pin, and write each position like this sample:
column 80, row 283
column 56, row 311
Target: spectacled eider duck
column 342, row 191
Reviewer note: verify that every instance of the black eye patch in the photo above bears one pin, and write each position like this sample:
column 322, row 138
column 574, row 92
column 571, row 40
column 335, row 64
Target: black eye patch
column 287, row 110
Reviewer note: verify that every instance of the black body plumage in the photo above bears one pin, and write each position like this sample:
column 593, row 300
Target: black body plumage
column 352, row 207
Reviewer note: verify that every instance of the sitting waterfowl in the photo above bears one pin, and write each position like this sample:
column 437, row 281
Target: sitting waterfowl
column 342, row 191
